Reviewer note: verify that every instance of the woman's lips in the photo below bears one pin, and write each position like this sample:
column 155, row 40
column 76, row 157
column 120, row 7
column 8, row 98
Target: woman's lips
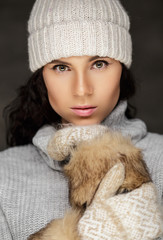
column 84, row 111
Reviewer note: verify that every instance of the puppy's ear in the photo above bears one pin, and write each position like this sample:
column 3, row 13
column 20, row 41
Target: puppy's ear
column 82, row 196
column 84, row 172
column 136, row 170
column 83, row 182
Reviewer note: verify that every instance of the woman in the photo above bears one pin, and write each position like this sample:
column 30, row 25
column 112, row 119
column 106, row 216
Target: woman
column 80, row 53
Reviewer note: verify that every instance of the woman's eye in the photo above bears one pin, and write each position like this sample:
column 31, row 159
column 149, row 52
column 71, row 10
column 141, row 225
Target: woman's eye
column 60, row 68
column 101, row 64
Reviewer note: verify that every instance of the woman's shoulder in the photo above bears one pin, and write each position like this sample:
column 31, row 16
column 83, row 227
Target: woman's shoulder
column 19, row 152
column 16, row 165
column 22, row 165
column 18, row 157
column 155, row 138
column 152, row 148
column 152, row 142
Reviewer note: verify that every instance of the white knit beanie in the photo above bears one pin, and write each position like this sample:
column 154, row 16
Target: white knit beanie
column 65, row 28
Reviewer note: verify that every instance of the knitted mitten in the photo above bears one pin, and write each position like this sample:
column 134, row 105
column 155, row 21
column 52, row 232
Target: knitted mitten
column 130, row 216
column 66, row 139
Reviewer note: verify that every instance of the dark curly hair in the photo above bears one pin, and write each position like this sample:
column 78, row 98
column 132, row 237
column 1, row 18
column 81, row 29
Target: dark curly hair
column 31, row 109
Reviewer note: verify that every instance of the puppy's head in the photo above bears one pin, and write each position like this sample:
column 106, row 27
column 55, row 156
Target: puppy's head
column 85, row 168
column 92, row 160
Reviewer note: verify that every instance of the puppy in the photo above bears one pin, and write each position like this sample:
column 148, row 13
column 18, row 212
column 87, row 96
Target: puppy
column 85, row 167
column 90, row 161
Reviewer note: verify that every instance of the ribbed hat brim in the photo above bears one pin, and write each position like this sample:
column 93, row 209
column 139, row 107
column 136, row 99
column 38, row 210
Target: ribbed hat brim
column 78, row 39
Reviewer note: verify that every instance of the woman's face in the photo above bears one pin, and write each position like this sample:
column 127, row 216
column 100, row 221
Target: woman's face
column 83, row 90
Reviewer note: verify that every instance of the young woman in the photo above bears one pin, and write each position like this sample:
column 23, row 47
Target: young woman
column 80, row 52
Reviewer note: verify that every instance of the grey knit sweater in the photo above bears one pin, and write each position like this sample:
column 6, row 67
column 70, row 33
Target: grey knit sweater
column 33, row 190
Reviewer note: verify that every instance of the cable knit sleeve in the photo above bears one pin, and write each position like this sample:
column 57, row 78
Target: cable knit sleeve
column 5, row 233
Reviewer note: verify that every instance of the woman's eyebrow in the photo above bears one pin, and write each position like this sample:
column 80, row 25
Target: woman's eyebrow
column 95, row 57
column 60, row 62
column 63, row 62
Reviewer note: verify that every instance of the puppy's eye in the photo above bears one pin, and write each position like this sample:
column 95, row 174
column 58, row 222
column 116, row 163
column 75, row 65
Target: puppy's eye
column 74, row 147
column 125, row 190
column 84, row 205
column 65, row 161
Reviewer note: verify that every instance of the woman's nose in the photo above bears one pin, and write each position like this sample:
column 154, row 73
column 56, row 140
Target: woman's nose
column 82, row 85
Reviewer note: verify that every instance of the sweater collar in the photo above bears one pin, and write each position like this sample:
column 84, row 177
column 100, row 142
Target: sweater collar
column 135, row 128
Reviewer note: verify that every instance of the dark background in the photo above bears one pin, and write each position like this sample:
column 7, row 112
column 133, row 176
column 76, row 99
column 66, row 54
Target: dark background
column 147, row 33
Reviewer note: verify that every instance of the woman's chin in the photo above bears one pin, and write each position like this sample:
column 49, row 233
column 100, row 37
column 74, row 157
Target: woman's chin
column 85, row 122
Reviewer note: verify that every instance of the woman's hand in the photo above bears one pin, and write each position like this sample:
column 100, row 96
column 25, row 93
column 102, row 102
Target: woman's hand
column 129, row 216
column 65, row 139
